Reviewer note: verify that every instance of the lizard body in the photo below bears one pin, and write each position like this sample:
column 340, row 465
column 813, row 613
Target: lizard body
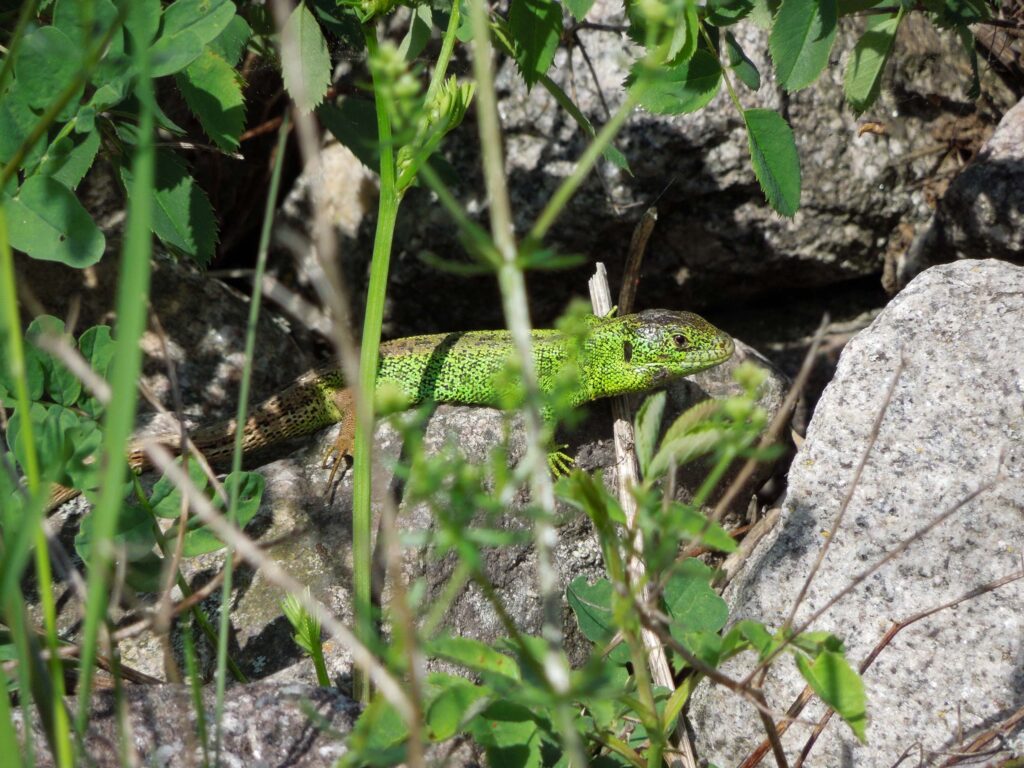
column 619, row 355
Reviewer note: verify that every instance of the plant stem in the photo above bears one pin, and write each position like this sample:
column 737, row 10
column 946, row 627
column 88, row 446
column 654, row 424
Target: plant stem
column 132, row 300
column 387, row 214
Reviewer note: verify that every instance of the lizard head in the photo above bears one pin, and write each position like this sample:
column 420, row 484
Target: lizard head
column 649, row 348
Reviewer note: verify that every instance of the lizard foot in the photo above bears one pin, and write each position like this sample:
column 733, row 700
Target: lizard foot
column 559, row 462
column 336, row 454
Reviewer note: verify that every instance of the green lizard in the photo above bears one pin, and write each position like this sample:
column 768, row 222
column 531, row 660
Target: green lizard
column 619, row 355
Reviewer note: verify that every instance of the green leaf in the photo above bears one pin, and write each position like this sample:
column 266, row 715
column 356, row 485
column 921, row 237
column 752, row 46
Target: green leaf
column 839, row 686
column 774, row 157
column 47, row 222
column 474, row 655
column 863, row 79
column 143, row 21
column 199, row 539
column 306, row 67
column 16, row 122
column 45, row 69
column 353, row 122
column 213, row 92
column 97, row 346
column 69, row 158
column 967, row 41
column 579, row 8
column 452, row 707
column 691, row 602
column 231, row 42
column 188, row 25
column 509, row 734
column 682, row 450
column 647, row 427
column 536, row 28
column 684, row 35
column 679, row 88
column 722, row 13
column 592, row 604
column 741, row 64
column 62, row 386
column 418, row 36
column 801, row 40
column 182, row 217
column 165, row 498
column 689, row 522
column 378, row 737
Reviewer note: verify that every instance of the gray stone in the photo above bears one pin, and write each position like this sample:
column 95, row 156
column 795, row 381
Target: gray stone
column 308, row 531
column 957, row 407
column 717, row 241
column 981, row 215
column 264, row 725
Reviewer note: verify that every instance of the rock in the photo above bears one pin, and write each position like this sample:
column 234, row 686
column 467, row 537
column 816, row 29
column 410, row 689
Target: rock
column 295, row 725
column 957, row 407
column 981, row 215
column 717, row 241
column 309, row 533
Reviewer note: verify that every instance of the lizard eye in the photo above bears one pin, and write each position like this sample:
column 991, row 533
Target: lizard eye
column 681, row 341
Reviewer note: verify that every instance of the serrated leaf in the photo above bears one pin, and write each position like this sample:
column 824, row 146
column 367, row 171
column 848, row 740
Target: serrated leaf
column 741, row 64
column 677, row 89
column 474, row 655
column 46, row 221
column 775, row 159
column 801, row 41
column 213, row 91
column 187, row 26
column 535, row 27
column 69, row 158
column 306, row 62
column 647, row 426
column 722, row 13
column 182, row 217
column 579, row 8
column 684, row 35
column 863, row 79
column 839, row 686
column 231, row 42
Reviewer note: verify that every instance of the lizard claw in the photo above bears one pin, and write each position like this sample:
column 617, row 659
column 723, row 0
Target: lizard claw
column 336, row 454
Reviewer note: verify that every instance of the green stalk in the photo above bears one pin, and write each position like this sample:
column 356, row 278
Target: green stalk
column 517, row 317
column 240, row 417
column 132, row 300
column 373, row 319
column 63, row 750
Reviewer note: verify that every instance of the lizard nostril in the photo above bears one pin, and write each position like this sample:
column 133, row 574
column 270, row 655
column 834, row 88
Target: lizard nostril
column 627, row 351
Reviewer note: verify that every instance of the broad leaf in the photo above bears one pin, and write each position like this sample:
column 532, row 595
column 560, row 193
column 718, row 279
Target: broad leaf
column 230, row 43
column 677, row 89
column 46, row 221
column 839, row 686
column 801, row 40
column 774, row 157
column 306, row 62
column 863, row 79
column 592, row 604
column 475, row 655
column 452, row 707
column 188, row 25
column 45, row 69
column 646, row 429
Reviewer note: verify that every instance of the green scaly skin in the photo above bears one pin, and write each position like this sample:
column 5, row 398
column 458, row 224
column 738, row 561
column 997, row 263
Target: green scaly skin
column 619, row 355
